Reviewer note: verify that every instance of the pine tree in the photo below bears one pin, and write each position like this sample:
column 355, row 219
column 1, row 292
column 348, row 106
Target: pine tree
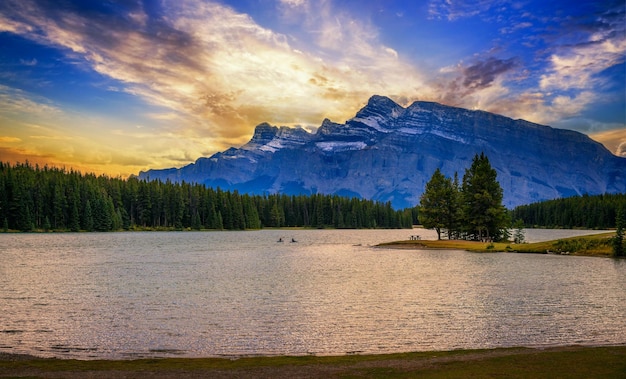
column 125, row 218
column 59, row 204
column 518, row 236
column 239, row 219
column 46, row 224
column 252, row 215
column 618, row 240
column 219, row 222
column 455, row 212
column 196, row 224
column 484, row 216
column 74, row 217
column 438, row 204
column 25, row 223
column 117, row 220
column 177, row 208
column 88, row 217
column 275, row 219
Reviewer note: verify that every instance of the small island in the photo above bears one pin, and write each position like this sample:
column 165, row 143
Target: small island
column 597, row 245
column 472, row 217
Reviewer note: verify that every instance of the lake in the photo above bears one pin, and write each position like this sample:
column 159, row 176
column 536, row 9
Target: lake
column 205, row 294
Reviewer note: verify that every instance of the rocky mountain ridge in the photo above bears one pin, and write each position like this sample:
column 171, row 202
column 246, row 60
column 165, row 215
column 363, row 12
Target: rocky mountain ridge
column 388, row 153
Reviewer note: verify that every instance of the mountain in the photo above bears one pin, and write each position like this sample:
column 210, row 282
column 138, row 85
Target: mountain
column 388, row 153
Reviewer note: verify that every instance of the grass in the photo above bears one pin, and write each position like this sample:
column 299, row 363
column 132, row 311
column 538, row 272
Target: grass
column 560, row 362
column 591, row 245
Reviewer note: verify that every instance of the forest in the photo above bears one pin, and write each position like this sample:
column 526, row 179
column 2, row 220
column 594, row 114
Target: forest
column 44, row 198
column 53, row 199
column 589, row 212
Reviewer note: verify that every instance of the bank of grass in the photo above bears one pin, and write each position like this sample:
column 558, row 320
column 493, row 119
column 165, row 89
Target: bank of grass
column 590, row 245
column 558, row 362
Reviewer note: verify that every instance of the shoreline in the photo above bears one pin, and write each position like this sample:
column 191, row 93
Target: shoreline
column 573, row 361
column 189, row 229
column 184, row 230
column 592, row 245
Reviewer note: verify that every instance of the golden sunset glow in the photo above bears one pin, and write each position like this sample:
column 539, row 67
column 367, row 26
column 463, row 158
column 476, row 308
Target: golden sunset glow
column 146, row 86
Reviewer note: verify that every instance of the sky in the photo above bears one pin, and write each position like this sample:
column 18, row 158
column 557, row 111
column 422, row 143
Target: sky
column 116, row 87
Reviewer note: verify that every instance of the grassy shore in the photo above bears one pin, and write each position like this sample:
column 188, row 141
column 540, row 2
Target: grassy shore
column 591, row 245
column 555, row 362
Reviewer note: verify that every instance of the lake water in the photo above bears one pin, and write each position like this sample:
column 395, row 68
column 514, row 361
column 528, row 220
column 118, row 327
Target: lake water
column 200, row 294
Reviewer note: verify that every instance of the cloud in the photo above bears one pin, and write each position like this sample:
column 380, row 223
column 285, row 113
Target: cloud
column 572, row 105
column 614, row 140
column 479, row 85
column 542, row 108
column 15, row 101
column 293, row 3
column 621, row 150
column 218, row 70
column 559, row 81
column 9, row 139
column 52, row 138
column 32, row 62
column 482, row 74
column 601, row 44
column 516, row 27
column 485, row 85
column 578, row 68
column 457, row 9
column 13, row 154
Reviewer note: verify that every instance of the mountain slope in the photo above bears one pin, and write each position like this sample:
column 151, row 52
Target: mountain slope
column 388, row 153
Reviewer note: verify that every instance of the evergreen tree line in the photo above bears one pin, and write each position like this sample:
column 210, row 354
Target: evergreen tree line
column 470, row 210
column 591, row 212
column 34, row 198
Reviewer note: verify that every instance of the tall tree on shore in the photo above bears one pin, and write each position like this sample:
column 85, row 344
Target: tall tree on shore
column 439, row 205
column 484, row 216
column 618, row 240
column 518, row 234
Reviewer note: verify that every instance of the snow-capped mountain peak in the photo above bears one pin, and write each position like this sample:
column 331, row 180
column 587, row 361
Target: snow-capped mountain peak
column 388, row 153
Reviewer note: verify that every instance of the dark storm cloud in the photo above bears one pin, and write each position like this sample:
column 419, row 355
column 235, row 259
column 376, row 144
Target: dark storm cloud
column 482, row 74
column 464, row 84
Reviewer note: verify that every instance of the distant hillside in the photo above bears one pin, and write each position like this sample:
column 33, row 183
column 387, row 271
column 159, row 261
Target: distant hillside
column 388, row 153
column 591, row 212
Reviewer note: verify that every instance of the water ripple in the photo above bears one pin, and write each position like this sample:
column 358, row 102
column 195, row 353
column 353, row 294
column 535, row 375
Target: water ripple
column 129, row 295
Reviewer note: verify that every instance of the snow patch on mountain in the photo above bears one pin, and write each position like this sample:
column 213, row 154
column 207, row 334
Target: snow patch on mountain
column 329, row 146
column 272, row 146
column 448, row 136
column 410, row 131
column 372, row 123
